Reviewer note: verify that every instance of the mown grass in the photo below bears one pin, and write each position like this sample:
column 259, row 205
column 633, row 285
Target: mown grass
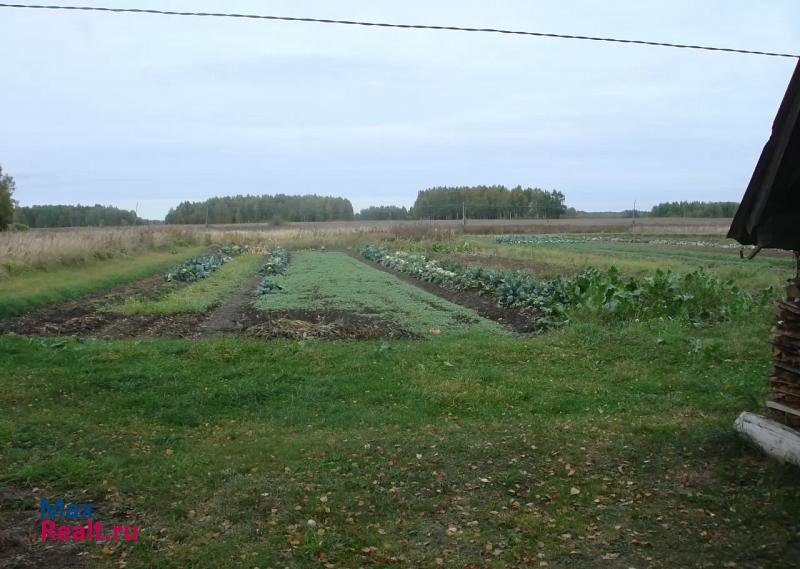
column 201, row 295
column 331, row 279
column 25, row 291
column 588, row 447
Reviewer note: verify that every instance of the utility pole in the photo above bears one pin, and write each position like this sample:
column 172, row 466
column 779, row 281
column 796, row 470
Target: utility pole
column 206, row 214
column 634, row 216
column 464, row 214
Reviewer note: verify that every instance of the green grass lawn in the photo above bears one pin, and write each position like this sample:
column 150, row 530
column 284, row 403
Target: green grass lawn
column 28, row 290
column 590, row 446
column 330, row 279
column 587, row 447
column 201, row 295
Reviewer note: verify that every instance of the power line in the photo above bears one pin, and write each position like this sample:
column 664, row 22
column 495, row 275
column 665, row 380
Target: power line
column 398, row 26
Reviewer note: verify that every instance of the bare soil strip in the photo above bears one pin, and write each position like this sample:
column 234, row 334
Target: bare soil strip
column 20, row 546
column 319, row 324
column 227, row 316
column 514, row 319
column 82, row 315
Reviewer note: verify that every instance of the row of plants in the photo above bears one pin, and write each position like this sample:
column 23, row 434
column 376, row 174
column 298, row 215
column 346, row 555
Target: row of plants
column 198, row 268
column 696, row 297
column 557, row 239
column 276, row 264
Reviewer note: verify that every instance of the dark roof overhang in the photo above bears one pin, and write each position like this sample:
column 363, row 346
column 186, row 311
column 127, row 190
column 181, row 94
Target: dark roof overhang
column 769, row 215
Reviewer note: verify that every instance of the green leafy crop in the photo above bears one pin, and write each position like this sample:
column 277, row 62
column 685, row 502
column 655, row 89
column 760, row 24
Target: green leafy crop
column 696, row 297
column 275, row 264
column 198, row 268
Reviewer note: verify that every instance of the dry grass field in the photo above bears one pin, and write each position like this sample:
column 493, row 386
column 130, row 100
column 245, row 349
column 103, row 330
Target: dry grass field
column 645, row 225
column 40, row 249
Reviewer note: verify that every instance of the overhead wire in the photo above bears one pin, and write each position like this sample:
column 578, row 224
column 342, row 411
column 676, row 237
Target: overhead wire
column 399, row 26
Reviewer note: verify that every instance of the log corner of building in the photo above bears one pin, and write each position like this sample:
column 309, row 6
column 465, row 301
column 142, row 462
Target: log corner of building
column 769, row 217
column 784, row 403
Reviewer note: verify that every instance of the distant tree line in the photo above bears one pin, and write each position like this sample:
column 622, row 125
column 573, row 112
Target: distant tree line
column 75, row 216
column 478, row 202
column 6, row 200
column 383, row 212
column 253, row 209
column 488, row 202
column 694, row 209
column 14, row 217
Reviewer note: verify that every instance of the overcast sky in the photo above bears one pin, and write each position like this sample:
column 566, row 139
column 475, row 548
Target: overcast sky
column 155, row 110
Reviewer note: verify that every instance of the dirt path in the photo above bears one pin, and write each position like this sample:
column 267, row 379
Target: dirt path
column 229, row 315
column 514, row 319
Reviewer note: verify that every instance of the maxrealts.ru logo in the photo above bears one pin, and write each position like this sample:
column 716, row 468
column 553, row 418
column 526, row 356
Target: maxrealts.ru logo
column 80, row 512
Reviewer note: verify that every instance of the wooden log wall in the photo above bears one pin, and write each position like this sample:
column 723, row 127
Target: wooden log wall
column 784, row 402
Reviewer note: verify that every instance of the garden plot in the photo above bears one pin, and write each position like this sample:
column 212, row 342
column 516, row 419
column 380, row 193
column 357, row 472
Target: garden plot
column 201, row 294
column 331, row 294
column 694, row 297
column 105, row 280
column 162, row 305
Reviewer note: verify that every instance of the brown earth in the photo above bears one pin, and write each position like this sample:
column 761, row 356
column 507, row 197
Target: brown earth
column 320, row 324
column 108, row 325
column 227, row 316
column 83, row 316
column 21, row 546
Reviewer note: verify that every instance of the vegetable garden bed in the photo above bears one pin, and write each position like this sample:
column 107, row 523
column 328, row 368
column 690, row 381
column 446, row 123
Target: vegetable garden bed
column 696, row 297
column 332, row 280
column 174, row 304
column 203, row 293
